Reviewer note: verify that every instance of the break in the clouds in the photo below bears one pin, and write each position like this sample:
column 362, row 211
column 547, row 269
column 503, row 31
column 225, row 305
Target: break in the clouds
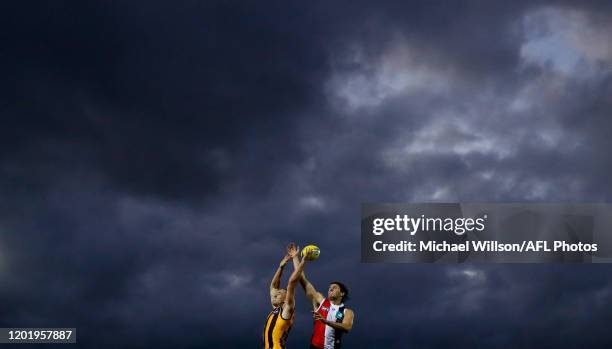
column 158, row 157
column 498, row 130
column 568, row 41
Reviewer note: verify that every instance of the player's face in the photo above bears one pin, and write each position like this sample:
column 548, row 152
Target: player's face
column 334, row 292
column 278, row 297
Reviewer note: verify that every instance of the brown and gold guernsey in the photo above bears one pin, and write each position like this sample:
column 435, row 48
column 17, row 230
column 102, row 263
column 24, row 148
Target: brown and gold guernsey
column 276, row 329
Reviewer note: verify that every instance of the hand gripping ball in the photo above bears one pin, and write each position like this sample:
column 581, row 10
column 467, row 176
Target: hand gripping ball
column 313, row 255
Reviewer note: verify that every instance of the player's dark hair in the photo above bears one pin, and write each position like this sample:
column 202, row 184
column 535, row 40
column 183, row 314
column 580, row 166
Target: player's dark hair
column 343, row 289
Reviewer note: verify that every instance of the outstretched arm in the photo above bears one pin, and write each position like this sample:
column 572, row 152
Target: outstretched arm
column 313, row 296
column 293, row 280
column 275, row 284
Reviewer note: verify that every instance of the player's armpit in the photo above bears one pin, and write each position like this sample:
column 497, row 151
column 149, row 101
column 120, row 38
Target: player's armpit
column 315, row 297
column 288, row 311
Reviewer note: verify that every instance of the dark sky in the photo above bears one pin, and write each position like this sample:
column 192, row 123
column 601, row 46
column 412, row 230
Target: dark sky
column 156, row 158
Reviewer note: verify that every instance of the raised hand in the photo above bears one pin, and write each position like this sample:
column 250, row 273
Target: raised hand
column 284, row 261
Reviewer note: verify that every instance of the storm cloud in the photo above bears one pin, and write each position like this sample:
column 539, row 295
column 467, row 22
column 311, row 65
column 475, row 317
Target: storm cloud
column 157, row 157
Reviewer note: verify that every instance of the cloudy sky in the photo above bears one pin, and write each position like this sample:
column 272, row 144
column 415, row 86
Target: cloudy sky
column 157, row 157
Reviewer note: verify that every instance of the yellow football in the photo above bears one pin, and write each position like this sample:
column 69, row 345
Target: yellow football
column 312, row 256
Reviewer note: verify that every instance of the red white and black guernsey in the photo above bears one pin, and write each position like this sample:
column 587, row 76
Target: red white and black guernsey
column 324, row 336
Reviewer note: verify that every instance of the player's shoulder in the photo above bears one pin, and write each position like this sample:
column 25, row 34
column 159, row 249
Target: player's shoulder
column 320, row 297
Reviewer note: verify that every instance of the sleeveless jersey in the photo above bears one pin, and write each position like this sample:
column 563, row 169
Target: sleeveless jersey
column 276, row 329
column 324, row 336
